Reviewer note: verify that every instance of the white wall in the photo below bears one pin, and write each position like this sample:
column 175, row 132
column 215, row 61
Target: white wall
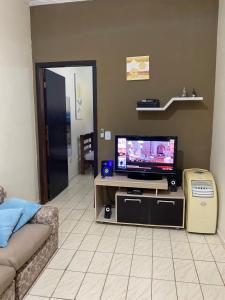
column 84, row 84
column 18, row 159
column 218, row 142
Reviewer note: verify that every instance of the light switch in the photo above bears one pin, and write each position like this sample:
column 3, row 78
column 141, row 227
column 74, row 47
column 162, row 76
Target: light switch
column 102, row 133
column 108, row 135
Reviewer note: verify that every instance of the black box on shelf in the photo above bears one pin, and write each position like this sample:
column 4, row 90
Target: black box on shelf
column 148, row 103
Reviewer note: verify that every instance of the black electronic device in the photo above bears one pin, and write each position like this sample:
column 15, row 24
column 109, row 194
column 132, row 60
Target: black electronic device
column 145, row 157
column 148, row 103
column 134, row 191
column 107, row 168
column 108, row 211
column 172, row 183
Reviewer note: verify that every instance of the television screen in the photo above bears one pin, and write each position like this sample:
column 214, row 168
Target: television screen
column 145, row 154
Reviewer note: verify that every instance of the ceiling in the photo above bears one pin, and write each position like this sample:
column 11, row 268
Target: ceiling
column 44, row 2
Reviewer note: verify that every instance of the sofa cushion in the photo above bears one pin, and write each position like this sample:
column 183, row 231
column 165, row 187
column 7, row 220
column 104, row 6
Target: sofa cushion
column 23, row 244
column 29, row 210
column 7, row 275
column 8, row 220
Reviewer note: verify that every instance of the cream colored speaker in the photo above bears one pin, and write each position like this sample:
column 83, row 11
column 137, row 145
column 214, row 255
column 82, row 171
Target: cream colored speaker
column 201, row 200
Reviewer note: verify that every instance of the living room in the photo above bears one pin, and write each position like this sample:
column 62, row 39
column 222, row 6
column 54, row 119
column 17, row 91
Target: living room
column 185, row 44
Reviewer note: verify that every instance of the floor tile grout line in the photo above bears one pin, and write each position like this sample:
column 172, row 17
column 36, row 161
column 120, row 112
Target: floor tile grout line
column 221, row 277
column 66, row 269
column 152, row 267
column 174, row 274
column 196, row 270
column 107, row 274
column 132, row 257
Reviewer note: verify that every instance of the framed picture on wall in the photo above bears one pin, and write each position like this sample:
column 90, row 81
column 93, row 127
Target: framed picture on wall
column 138, row 68
column 78, row 99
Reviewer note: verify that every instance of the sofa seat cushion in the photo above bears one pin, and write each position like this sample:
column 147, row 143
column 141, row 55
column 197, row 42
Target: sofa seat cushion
column 7, row 275
column 23, row 244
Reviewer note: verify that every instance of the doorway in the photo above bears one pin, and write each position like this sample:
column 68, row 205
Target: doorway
column 66, row 111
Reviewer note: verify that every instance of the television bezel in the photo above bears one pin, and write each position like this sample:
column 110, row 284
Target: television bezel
column 147, row 171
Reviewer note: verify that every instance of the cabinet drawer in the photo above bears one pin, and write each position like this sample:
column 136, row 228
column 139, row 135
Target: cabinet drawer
column 133, row 209
column 167, row 212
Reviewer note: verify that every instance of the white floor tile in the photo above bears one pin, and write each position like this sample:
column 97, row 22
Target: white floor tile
column 201, row 252
column 112, row 230
column 76, row 214
column 208, row 273
column 181, row 250
column 221, row 267
column 89, row 215
column 62, row 237
column 141, row 266
column 125, row 245
column 115, row 288
column 46, row 283
column 162, row 248
column 97, row 229
column 73, row 241
column 178, row 236
column 161, row 234
column 67, row 225
column 69, row 285
column 30, row 297
column 91, row 287
column 139, row 289
column 196, row 238
column 163, row 290
column 82, row 227
column 144, row 233
column 90, row 242
column 212, row 292
column 218, row 252
column 100, row 263
column 62, row 259
column 128, row 232
column 143, row 247
column 163, row 268
column 189, row 291
column 121, row 264
column 213, row 239
column 185, row 271
column 107, row 244
column 81, row 261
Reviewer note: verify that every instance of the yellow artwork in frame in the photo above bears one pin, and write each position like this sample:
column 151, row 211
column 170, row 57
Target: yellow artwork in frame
column 138, row 68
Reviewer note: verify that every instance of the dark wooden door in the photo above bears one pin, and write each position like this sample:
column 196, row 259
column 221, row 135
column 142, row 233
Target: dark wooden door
column 55, row 108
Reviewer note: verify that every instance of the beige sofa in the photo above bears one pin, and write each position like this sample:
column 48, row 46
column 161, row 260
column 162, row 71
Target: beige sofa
column 27, row 253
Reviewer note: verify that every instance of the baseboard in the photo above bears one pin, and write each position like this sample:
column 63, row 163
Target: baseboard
column 221, row 236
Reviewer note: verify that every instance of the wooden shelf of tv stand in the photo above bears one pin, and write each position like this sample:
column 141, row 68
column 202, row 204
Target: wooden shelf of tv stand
column 121, row 181
column 155, row 189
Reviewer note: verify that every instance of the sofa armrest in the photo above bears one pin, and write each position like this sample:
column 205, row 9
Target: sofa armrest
column 47, row 215
column 2, row 194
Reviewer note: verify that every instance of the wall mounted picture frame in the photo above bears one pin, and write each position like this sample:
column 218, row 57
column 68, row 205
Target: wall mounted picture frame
column 78, row 99
column 138, row 68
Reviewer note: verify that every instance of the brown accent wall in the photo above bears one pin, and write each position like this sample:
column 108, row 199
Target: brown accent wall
column 180, row 37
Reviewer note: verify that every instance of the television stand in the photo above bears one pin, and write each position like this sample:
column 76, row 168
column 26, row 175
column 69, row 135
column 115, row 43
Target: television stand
column 144, row 176
column 156, row 206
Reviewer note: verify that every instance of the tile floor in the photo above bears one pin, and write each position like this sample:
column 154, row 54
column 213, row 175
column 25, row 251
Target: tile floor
column 112, row 262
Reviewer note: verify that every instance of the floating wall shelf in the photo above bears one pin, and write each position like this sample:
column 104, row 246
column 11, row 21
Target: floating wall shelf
column 169, row 103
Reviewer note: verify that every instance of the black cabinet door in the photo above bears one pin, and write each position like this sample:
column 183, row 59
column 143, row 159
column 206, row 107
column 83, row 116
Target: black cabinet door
column 133, row 210
column 167, row 212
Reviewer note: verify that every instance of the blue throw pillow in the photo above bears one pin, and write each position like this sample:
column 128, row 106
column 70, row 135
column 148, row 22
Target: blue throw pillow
column 8, row 220
column 29, row 210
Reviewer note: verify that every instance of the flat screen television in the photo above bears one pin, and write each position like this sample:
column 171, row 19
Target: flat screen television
column 145, row 157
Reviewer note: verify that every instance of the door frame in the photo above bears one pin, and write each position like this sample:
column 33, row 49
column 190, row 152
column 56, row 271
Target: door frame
column 41, row 119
